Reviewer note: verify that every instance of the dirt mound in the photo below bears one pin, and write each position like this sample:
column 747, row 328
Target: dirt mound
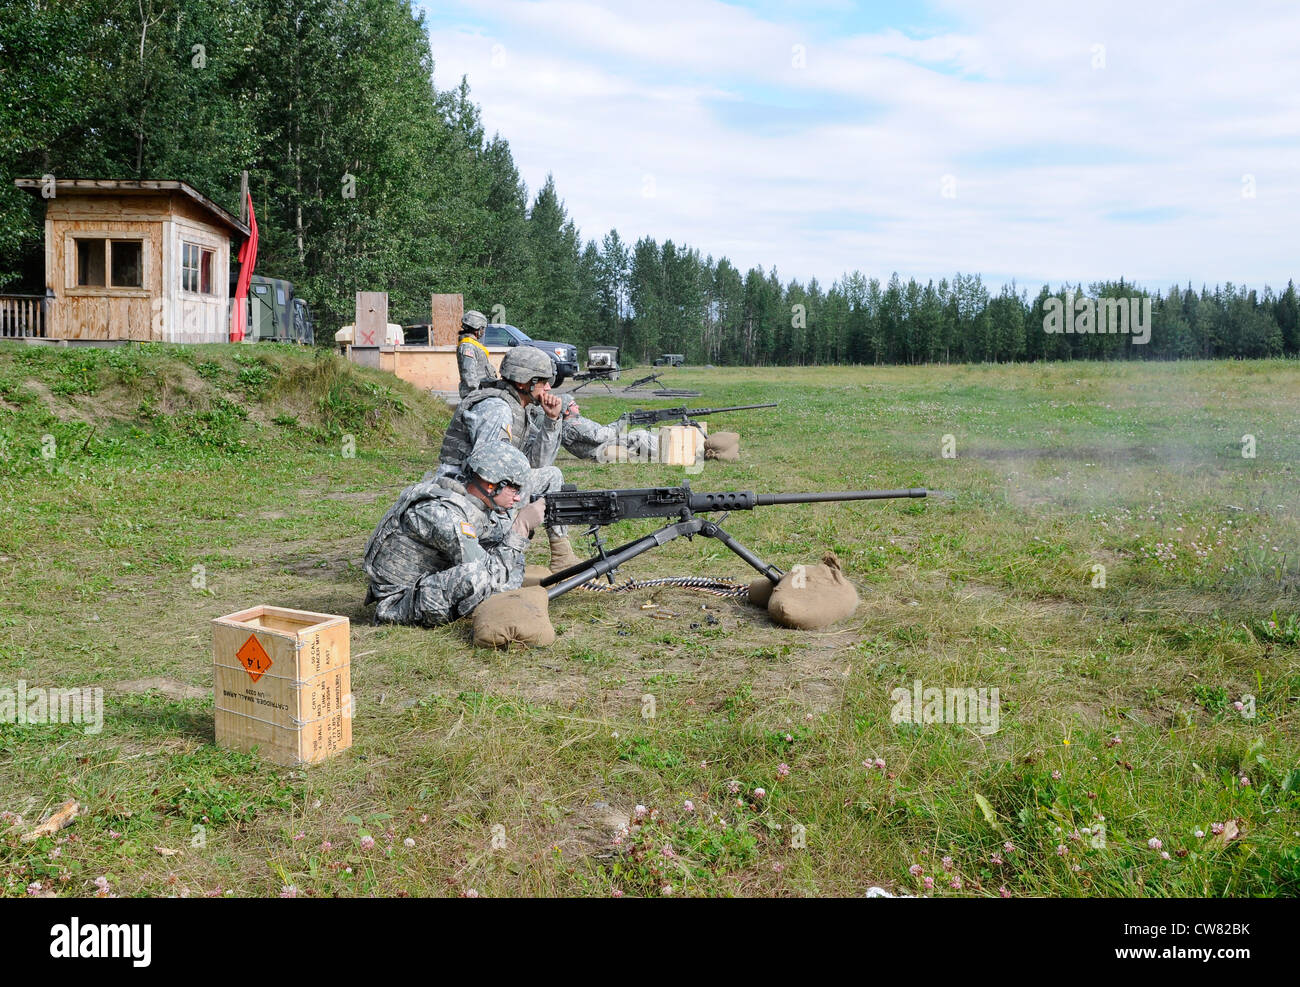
column 227, row 397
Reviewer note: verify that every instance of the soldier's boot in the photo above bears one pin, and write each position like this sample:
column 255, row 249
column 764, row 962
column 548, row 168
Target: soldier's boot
column 562, row 556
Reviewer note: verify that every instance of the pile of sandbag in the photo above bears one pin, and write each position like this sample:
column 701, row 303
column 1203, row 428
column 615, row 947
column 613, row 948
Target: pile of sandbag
column 807, row 597
column 722, row 445
column 520, row 616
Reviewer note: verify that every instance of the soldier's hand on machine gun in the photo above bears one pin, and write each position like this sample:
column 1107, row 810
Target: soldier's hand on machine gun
column 529, row 517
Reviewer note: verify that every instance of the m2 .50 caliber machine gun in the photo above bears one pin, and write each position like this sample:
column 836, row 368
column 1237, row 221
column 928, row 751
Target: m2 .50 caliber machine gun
column 600, row 507
column 683, row 416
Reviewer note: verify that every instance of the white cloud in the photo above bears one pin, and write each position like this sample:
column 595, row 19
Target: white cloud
column 837, row 164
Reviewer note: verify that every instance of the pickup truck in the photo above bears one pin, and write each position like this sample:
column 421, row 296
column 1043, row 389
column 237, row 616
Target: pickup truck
column 563, row 355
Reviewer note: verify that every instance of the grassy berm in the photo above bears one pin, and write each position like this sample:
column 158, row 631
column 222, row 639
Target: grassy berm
column 1117, row 557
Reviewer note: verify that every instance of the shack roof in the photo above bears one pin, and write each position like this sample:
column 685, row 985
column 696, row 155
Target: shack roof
column 122, row 186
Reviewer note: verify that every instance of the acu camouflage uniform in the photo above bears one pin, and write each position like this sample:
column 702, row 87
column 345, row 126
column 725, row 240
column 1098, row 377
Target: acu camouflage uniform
column 437, row 554
column 494, row 413
column 475, row 367
column 589, row 439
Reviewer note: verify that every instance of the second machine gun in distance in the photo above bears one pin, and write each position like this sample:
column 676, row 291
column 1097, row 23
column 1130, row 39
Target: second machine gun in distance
column 641, row 418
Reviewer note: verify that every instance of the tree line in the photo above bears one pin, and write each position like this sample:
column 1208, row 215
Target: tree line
column 366, row 176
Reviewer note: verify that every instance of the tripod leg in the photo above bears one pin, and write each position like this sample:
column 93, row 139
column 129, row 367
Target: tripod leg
column 559, row 583
column 711, row 530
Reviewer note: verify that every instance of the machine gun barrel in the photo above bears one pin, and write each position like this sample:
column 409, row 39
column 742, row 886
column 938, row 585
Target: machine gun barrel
column 813, row 498
column 571, row 506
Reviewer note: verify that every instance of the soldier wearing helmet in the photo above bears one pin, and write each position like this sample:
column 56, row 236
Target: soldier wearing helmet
column 471, row 355
column 446, row 546
column 498, row 412
column 586, row 438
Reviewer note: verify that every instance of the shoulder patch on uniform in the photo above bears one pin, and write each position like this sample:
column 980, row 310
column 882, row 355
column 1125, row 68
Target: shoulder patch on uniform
column 467, row 530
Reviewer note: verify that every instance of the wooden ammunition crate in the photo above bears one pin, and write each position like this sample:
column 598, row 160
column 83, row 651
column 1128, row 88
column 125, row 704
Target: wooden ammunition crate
column 682, row 445
column 283, row 683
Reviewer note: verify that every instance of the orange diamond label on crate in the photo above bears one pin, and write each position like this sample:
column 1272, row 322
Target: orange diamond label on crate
column 254, row 658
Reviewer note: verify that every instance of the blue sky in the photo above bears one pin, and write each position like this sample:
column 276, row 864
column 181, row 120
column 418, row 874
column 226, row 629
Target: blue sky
column 1040, row 141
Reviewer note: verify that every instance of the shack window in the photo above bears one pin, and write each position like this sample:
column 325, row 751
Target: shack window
column 196, row 268
column 126, row 267
column 90, row 263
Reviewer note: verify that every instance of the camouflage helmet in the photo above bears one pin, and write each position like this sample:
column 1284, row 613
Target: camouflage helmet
column 527, row 363
column 499, row 462
column 473, row 321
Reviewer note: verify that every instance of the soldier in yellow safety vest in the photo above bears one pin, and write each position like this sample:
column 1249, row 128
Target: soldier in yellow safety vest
column 472, row 356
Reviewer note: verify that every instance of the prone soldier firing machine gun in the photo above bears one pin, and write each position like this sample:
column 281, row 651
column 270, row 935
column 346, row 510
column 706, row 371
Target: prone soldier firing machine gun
column 684, row 416
column 600, row 507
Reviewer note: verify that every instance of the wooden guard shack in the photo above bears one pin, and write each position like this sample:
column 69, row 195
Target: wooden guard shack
column 130, row 260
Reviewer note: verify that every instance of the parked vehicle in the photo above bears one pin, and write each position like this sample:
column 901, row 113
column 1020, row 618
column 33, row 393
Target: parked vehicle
column 563, row 355
column 671, row 360
column 275, row 314
column 602, row 361
column 418, row 334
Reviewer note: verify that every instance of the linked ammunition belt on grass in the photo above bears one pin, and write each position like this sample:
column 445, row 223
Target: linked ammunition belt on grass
column 718, row 587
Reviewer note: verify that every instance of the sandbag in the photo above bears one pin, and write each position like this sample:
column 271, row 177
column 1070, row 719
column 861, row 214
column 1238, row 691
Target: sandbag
column 816, row 597
column 760, row 591
column 521, row 616
column 722, row 445
column 534, row 574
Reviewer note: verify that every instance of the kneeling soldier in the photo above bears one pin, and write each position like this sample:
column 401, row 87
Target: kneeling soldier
column 445, row 547
column 498, row 412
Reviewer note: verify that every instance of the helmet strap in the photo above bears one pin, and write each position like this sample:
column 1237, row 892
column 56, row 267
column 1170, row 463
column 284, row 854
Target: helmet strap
column 485, row 489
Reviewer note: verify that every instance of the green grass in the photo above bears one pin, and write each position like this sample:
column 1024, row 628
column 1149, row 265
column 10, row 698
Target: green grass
column 186, row 483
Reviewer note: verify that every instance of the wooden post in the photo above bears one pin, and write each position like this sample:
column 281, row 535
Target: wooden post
column 372, row 319
column 243, row 197
column 445, row 324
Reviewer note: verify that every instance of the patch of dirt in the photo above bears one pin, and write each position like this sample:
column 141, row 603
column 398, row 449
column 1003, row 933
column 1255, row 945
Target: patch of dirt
column 590, row 829
column 980, row 591
column 58, row 406
column 358, row 497
column 551, row 685
column 171, row 688
column 317, row 565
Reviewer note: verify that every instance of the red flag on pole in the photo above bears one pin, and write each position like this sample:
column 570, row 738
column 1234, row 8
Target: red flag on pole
column 247, row 258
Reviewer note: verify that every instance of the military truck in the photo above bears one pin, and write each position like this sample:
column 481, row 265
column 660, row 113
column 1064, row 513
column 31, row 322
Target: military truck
column 275, row 314
column 602, row 361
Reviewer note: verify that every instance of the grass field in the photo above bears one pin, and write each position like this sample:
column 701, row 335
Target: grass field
column 150, row 489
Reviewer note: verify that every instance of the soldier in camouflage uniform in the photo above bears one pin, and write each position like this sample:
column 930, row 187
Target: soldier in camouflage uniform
column 471, row 355
column 497, row 412
column 445, row 547
column 589, row 439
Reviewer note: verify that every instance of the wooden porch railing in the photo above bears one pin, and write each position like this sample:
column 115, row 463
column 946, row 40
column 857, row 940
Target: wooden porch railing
column 22, row 315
